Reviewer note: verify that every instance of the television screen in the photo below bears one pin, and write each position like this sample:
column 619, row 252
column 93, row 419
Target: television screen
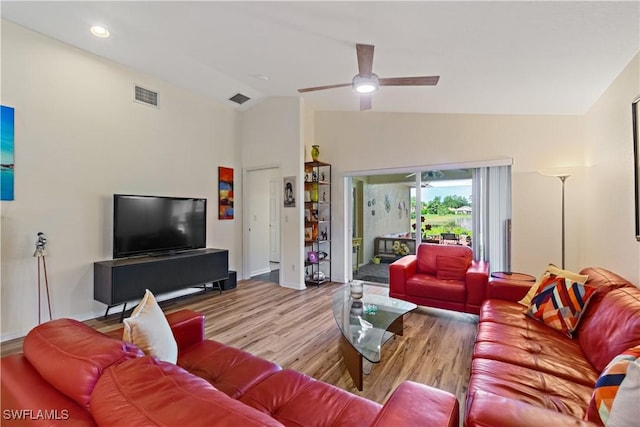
column 148, row 225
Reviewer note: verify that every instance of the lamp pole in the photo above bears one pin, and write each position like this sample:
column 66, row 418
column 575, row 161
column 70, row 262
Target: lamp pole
column 563, row 178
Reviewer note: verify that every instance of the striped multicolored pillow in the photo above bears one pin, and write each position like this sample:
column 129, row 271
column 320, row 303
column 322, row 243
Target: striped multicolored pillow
column 616, row 398
column 560, row 302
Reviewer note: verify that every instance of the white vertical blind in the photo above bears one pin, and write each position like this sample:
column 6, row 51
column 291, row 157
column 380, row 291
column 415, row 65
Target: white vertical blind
column 491, row 194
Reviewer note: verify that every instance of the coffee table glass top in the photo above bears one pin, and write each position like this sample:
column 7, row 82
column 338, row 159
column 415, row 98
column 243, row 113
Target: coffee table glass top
column 364, row 322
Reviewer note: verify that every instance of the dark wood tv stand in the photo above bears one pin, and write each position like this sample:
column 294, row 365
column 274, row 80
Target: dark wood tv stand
column 119, row 281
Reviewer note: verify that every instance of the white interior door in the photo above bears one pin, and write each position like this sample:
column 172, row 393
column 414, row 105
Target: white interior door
column 274, row 219
column 258, row 221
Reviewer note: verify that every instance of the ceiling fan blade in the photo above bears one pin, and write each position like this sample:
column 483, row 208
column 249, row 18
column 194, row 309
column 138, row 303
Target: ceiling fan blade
column 410, row 81
column 365, row 102
column 311, row 89
column 365, row 59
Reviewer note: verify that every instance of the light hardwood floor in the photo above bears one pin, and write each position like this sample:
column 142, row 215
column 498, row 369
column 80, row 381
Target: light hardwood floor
column 296, row 330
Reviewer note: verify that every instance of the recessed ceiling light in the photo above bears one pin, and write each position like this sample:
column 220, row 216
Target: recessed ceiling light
column 99, row 31
column 260, row 77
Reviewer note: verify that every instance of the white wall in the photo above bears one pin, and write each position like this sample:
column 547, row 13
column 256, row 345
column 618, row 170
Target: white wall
column 272, row 135
column 364, row 141
column 383, row 222
column 79, row 139
column 609, row 234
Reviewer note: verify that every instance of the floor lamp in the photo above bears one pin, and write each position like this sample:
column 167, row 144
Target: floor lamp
column 563, row 178
column 40, row 253
column 562, row 175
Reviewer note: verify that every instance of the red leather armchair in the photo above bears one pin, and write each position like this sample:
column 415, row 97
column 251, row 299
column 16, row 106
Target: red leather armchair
column 441, row 276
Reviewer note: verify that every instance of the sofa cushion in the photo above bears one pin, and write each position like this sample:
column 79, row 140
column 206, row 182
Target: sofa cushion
column 149, row 329
column 539, row 349
column 529, row 385
column 616, row 397
column 560, row 302
column 551, row 271
column 228, row 369
column 147, row 391
column 71, row 356
column 426, row 286
column 294, row 399
column 611, row 325
column 451, row 268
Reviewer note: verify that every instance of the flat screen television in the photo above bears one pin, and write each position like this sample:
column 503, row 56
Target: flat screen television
column 152, row 225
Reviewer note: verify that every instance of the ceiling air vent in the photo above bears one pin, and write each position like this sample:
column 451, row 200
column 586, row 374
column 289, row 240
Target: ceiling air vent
column 239, row 98
column 146, row 96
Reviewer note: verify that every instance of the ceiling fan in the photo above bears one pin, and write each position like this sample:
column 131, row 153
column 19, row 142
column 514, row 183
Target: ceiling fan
column 366, row 82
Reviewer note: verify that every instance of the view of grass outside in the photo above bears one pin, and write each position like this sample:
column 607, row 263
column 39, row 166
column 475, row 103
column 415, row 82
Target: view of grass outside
column 445, row 209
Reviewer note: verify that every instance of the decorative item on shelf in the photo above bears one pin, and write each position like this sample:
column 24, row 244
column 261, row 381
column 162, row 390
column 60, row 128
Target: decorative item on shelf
column 356, row 289
column 313, row 257
column 314, row 231
column 307, row 233
column 319, row 276
column 314, row 192
column 322, row 255
column 322, row 176
column 324, row 196
column 315, row 152
column 324, row 235
column 314, row 176
column 307, row 196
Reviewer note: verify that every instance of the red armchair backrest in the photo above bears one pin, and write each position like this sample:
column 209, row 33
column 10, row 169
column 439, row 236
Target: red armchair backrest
column 427, row 254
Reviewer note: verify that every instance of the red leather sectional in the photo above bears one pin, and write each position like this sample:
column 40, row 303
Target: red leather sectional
column 526, row 374
column 72, row 375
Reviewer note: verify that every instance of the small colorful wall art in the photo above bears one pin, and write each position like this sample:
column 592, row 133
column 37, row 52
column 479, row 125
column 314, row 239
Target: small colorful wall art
column 6, row 152
column 225, row 193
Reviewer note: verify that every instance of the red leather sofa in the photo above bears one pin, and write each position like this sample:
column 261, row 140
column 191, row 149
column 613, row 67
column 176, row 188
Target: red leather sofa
column 526, row 374
column 441, row 276
column 71, row 375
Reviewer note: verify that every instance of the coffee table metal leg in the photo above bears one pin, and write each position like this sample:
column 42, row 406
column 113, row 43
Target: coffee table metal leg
column 353, row 360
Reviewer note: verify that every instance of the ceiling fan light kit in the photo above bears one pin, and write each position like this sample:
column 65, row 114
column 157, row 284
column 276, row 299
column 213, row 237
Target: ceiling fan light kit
column 365, row 84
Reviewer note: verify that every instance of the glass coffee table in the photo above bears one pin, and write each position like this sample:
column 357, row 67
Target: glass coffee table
column 366, row 324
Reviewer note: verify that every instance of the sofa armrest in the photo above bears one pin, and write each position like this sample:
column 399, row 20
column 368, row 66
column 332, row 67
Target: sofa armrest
column 413, row 404
column 508, row 290
column 476, row 282
column 187, row 327
column 399, row 272
column 486, row 409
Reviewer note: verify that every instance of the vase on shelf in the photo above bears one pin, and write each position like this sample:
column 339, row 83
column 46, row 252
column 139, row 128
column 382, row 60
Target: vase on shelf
column 315, row 152
column 314, row 192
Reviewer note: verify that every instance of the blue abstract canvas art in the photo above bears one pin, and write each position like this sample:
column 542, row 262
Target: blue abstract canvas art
column 6, row 152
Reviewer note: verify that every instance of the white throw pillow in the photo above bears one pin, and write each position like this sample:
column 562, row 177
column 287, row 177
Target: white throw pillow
column 149, row 330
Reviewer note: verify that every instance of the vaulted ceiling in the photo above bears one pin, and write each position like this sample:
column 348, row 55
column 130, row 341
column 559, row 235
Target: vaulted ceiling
column 521, row 57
